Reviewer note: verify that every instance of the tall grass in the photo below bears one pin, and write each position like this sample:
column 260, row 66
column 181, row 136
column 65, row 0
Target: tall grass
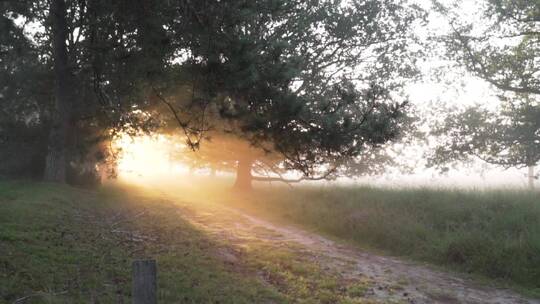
column 495, row 233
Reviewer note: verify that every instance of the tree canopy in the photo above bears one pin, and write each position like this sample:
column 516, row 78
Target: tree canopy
column 82, row 63
column 503, row 49
column 504, row 52
column 314, row 82
column 507, row 137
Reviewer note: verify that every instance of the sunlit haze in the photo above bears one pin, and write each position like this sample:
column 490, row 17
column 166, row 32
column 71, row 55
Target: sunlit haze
column 147, row 156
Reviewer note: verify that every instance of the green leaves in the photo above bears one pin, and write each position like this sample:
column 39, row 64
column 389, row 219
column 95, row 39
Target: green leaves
column 309, row 80
column 509, row 137
column 503, row 48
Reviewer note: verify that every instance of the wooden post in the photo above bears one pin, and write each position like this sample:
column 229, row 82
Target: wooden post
column 531, row 177
column 144, row 282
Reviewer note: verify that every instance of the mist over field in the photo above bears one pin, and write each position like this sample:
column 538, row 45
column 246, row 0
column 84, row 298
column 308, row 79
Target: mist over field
column 133, row 166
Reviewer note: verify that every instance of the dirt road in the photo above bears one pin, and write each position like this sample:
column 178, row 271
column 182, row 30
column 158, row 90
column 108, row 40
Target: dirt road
column 391, row 280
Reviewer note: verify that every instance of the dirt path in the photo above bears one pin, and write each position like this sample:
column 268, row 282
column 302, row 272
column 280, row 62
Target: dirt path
column 394, row 281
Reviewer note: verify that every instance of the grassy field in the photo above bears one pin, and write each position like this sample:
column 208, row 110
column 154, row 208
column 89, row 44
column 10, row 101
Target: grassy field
column 60, row 244
column 494, row 234
column 64, row 245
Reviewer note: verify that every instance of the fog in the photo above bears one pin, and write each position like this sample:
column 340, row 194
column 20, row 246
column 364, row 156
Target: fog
column 150, row 159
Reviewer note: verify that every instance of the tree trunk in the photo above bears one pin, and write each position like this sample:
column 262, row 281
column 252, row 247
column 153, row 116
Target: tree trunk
column 243, row 175
column 57, row 155
column 531, row 177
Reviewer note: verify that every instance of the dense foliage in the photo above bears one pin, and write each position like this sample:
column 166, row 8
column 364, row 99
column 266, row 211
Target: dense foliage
column 315, row 82
column 312, row 82
column 508, row 137
column 504, row 52
column 503, row 49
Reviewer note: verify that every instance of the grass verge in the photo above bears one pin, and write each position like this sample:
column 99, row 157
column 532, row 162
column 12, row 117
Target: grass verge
column 64, row 245
column 60, row 244
column 491, row 233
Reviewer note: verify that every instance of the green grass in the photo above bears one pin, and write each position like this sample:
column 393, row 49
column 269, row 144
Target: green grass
column 60, row 244
column 494, row 234
column 63, row 245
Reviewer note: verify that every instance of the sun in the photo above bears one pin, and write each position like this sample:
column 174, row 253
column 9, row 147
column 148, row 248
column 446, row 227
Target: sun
column 147, row 156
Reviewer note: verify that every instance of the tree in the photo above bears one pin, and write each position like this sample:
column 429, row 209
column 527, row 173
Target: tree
column 222, row 152
column 62, row 121
column 503, row 48
column 311, row 81
column 509, row 137
column 24, row 94
column 101, row 54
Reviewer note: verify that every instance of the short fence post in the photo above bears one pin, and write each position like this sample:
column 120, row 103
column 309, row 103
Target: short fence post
column 144, row 282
